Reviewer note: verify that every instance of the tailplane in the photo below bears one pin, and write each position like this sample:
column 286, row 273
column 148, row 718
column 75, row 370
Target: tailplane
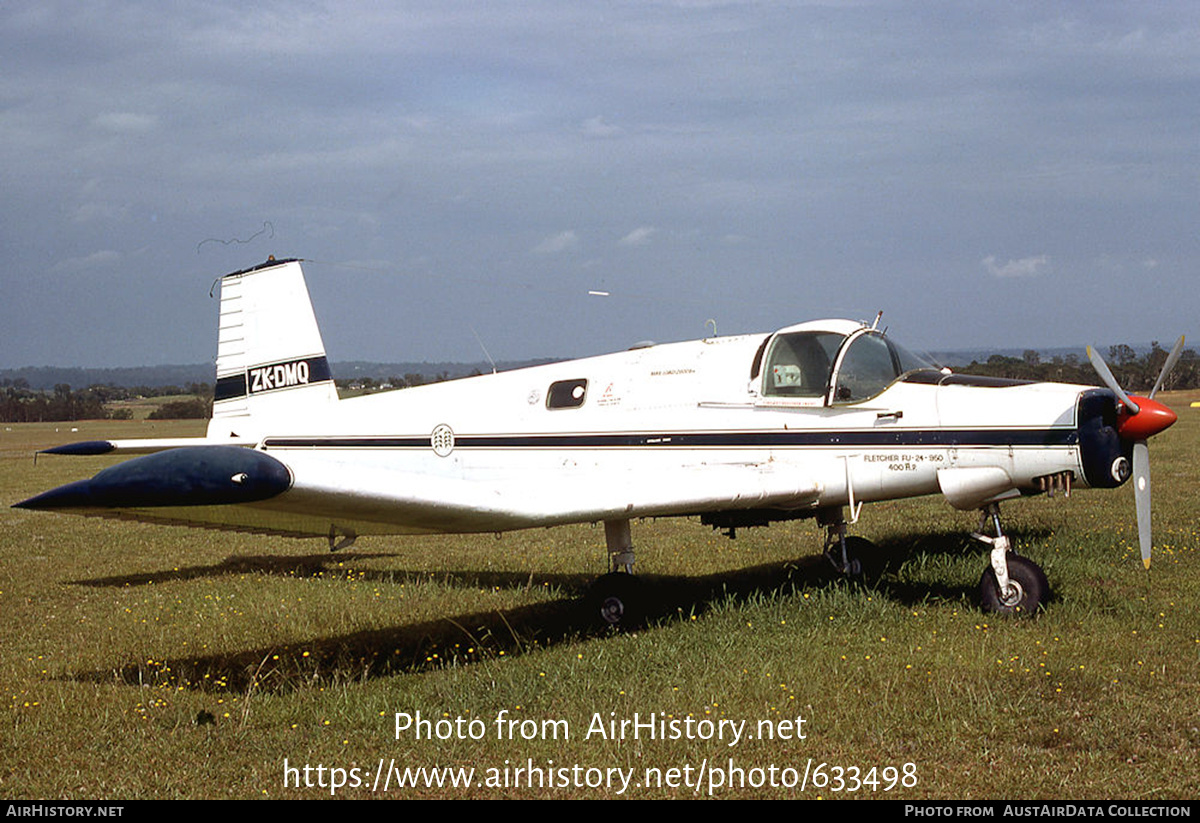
column 270, row 359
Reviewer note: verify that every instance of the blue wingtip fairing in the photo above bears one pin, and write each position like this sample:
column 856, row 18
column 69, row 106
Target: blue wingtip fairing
column 192, row 476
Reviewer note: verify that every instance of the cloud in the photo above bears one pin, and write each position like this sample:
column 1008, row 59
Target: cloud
column 124, row 122
column 1025, row 267
column 638, row 237
column 1121, row 264
column 89, row 212
column 95, row 260
column 596, row 127
column 557, row 243
column 757, row 135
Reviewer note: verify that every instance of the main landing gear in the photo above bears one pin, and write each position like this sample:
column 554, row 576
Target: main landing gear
column 856, row 557
column 1011, row 584
column 616, row 598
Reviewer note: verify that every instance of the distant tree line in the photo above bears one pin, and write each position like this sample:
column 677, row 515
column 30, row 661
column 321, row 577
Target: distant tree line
column 196, row 408
column 369, row 385
column 1134, row 373
column 21, row 404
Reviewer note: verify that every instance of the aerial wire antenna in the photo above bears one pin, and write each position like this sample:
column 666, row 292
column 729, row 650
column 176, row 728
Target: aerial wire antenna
column 485, row 351
column 267, row 226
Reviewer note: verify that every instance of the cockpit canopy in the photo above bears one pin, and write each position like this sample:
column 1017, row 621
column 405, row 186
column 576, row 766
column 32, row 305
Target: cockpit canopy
column 831, row 362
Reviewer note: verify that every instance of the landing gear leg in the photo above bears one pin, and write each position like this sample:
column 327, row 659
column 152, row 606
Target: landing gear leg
column 620, row 545
column 1010, row 584
column 854, row 556
column 616, row 597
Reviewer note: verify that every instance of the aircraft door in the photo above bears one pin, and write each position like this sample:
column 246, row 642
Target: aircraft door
column 892, row 461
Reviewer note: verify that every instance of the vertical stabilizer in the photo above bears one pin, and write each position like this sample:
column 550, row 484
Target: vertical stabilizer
column 270, row 359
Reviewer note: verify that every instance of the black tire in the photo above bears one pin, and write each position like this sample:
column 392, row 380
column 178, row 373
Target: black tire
column 616, row 600
column 1029, row 589
column 867, row 561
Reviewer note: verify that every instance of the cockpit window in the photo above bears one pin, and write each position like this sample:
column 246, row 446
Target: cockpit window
column 866, row 370
column 798, row 365
column 870, row 365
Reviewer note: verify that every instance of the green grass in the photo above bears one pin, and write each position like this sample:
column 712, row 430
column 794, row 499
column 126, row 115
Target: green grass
column 141, row 408
column 118, row 636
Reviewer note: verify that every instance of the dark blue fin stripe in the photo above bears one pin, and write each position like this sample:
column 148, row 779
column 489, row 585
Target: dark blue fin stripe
column 286, row 374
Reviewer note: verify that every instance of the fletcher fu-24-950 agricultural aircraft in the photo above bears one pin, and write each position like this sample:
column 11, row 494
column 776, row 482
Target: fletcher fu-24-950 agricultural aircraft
column 812, row 420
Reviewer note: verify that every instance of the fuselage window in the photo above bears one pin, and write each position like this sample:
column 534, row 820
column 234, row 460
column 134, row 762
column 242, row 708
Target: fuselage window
column 566, row 394
column 798, row 365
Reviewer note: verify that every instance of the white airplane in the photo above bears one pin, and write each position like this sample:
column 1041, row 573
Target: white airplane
column 812, row 420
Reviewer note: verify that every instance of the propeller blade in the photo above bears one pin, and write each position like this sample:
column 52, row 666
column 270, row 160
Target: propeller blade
column 1138, row 424
column 1141, row 496
column 1107, row 376
column 1167, row 366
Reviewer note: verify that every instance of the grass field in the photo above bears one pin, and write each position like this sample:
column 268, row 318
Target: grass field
column 142, row 407
column 158, row 662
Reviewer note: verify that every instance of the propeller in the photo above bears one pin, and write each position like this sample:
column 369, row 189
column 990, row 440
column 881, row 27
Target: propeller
column 1139, row 419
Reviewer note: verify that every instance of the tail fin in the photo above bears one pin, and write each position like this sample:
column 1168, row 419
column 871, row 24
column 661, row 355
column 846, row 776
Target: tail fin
column 270, row 359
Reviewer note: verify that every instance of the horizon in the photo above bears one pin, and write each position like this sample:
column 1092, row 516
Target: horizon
column 6, row 372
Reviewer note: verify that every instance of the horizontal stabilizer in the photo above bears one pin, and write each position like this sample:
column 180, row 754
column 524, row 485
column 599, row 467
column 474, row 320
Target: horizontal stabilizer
column 94, row 447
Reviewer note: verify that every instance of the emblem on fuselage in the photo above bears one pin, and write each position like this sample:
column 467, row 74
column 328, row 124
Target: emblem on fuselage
column 442, row 440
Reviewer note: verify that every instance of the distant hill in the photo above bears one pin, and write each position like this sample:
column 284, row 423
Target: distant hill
column 45, row 378
column 964, row 357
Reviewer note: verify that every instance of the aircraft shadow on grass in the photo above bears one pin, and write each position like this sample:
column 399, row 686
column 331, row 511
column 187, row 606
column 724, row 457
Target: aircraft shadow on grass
column 466, row 639
column 309, row 565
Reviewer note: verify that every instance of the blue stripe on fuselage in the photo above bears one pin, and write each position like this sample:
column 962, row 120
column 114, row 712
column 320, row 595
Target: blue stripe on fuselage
column 957, row 438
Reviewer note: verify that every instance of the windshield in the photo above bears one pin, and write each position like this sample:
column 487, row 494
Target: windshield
column 871, row 364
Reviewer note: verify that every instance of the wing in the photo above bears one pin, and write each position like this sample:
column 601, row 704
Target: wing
column 249, row 490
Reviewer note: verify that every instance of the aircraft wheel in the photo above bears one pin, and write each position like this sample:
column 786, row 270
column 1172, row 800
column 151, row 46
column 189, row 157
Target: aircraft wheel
column 1028, row 588
column 867, row 561
column 616, row 599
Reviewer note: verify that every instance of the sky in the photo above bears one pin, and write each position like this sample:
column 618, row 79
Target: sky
column 461, row 175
